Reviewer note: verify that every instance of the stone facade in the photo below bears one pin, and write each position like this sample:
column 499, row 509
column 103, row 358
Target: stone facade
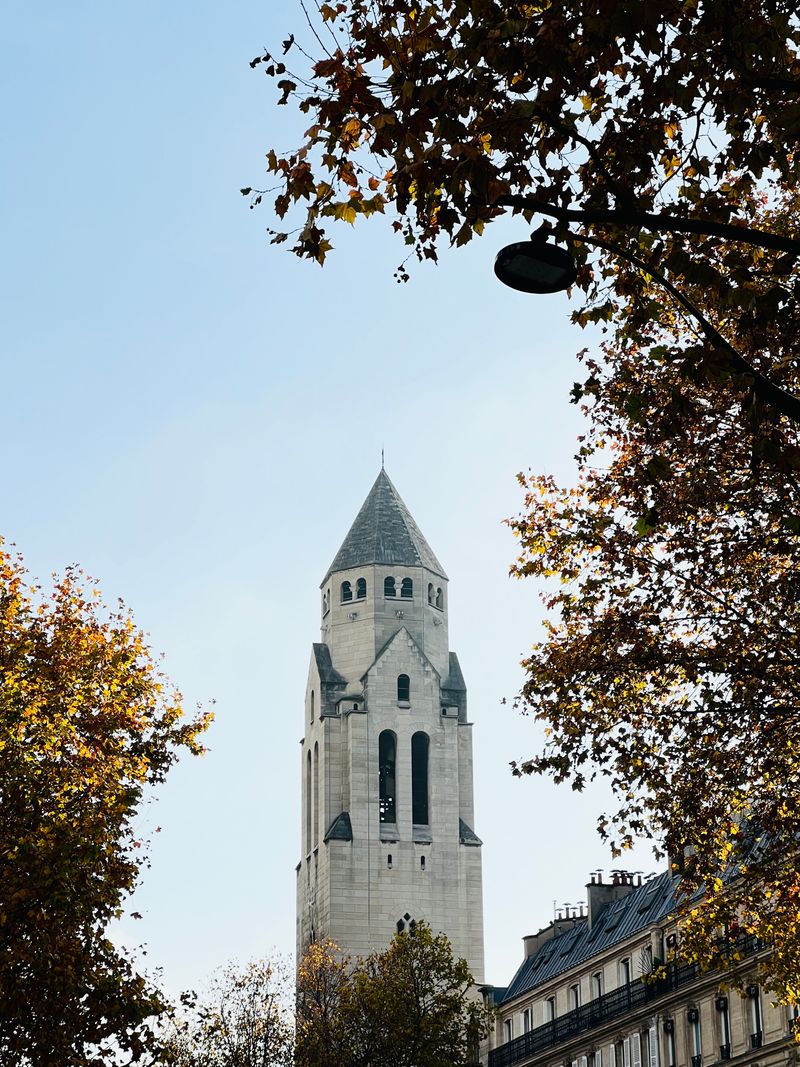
column 387, row 838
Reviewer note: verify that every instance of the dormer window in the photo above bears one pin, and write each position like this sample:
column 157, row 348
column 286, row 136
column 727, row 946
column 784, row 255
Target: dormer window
column 389, row 588
column 407, row 589
column 347, row 592
column 361, row 588
column 403, row 689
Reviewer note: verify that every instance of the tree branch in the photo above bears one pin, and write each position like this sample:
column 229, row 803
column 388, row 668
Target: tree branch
column 786, row 403
column 660, row 223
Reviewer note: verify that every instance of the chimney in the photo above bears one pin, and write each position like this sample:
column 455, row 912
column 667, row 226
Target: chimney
column 600, row 893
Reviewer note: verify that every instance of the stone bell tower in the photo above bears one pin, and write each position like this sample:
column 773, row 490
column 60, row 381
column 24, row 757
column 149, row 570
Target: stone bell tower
column 387, row 807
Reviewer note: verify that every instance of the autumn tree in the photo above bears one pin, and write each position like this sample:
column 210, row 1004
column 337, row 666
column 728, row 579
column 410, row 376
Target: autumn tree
column 244, row 1020
column 658, row 142
column 87, row 723
column 413, row 1005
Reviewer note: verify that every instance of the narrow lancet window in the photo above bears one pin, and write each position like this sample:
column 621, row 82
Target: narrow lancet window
column 403, row 689
column 316, row 794
column 407, row 589
column 439, row 599
column 347, row 592
column 361, row 588
column 389, row 588
column 308, row 801
column 419, row 779
column 387, row 752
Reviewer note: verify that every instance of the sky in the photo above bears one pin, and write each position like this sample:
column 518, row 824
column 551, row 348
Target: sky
column 195, row 417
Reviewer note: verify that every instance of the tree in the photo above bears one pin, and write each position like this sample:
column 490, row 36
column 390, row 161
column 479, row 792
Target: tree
column 245, row 1021
column 87, row 722
column 413, row 1005
column 659, row 141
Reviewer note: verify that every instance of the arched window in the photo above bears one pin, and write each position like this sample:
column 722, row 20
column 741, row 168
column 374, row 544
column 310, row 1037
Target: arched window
column 308, row 801
column 430, row 593
column 387, row 753
column 403, row 689
column 389, row 587
column 361, row 588
column 326, row 602
column 407, row 589
column 316, row 794
column 312, row 705
column 419, row 779
column 439, row 599
column 347, row 591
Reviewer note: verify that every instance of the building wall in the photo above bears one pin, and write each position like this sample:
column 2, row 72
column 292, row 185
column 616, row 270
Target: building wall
column 356, row 891
column 659, row 1033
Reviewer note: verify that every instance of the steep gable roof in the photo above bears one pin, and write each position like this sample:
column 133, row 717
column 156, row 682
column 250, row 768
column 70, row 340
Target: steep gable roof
column 384, row 532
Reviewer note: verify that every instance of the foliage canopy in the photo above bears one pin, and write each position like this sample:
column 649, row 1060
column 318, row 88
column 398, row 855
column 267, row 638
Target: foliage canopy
column 413, row 1005
column 87, row 721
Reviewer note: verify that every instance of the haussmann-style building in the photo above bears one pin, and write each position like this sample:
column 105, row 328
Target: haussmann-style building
column 591, row 992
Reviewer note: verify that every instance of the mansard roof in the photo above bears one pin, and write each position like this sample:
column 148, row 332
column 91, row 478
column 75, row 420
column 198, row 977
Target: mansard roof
column 384, row 532
column 650, row 903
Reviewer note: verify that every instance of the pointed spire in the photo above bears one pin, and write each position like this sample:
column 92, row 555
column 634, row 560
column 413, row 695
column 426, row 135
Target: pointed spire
column 384, row 532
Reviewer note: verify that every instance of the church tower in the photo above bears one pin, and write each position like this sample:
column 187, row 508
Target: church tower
column 387, row 815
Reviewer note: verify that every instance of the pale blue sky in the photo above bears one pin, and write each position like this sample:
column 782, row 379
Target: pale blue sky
column 195, row 417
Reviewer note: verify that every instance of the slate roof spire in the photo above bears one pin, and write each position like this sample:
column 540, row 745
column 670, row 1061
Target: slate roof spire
column 384, row 531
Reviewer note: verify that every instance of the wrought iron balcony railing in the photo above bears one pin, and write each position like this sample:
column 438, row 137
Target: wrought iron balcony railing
column 605, row 1007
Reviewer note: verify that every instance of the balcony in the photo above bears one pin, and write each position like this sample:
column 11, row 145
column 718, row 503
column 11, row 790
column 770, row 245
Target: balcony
column 724, row 1052
column 605, row 1008
column 756, row 1039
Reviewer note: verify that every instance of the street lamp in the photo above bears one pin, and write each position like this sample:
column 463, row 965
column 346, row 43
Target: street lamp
column 535, row 266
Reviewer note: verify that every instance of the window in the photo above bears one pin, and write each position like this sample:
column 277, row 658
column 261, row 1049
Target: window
column 403, row 689
column 387, row 751
column 389, row 861
column 721, row 1004
column 308, row 801
column 754, row 993
column 612, row 1055
column 597, row 1059
column 652, row 1047
column 315, row 788
column 626, row 1052
column 669, row 1032
column 361, row 588
column 422, row 863
column 430, row 593
column 597, row 985
column 509, row 1028
column 389, row 587
column 574, row 997
column 347, row 592
column 419, row 779
column 624, row 971
column 636, row 1050
column 693, row 1018
column 526, row 1021
column 406, row 589
column 439, row 599
column 326, row 602
column 312, row 705
column 550, row 1009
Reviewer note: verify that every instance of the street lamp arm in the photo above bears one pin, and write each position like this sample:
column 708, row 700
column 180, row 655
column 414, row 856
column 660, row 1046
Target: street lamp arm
column 785, row 402
column 659, row 223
